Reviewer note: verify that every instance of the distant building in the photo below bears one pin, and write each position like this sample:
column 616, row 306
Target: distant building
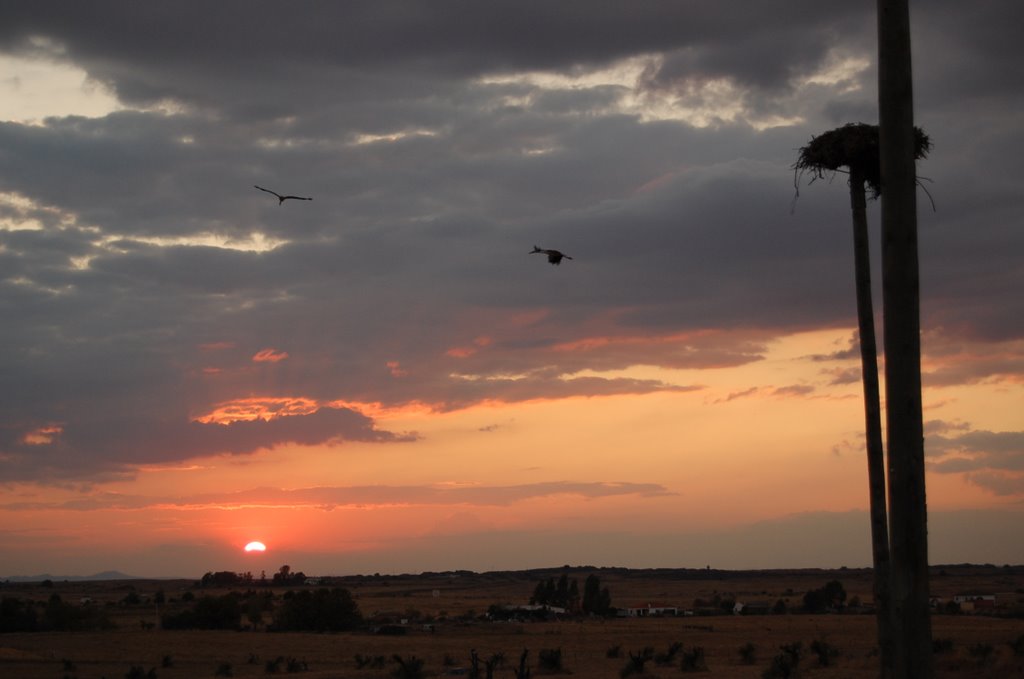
column 752, row 608
column 651, row 610
column 975, row 602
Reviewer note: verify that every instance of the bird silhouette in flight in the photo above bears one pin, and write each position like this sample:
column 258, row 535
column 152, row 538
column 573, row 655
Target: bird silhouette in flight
column 280, row 198
column 554, row 256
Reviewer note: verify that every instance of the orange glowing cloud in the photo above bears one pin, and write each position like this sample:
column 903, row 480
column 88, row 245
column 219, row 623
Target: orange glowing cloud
column 42, row 436
column 377, row 410
column 250, row 409
column 269, row 356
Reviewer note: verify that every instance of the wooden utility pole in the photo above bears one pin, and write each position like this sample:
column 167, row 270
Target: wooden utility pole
column 872, row 424
column 912, row 642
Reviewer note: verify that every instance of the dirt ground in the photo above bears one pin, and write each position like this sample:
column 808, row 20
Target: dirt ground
column 979, row 646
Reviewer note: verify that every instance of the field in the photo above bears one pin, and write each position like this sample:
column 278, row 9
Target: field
column 444, row 626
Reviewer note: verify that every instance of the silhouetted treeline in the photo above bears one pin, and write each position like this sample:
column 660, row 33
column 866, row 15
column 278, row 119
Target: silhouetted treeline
column 209, row 612
column 321, row 610
column 226, row 579
column 20, row 615
column 284, row 577
column 565, row 593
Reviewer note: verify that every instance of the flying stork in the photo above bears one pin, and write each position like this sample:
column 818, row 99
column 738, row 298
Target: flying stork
column 280, row 198
column 554, row 256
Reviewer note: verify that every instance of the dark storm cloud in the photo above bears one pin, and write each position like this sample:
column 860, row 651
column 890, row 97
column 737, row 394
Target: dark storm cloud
column 461, row 38
column 675, row 229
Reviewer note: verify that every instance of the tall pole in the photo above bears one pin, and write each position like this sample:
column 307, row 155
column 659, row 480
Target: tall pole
column 912, row 657
column 872, row 420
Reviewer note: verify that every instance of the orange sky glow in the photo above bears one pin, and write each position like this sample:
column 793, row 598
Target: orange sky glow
column 761, row 442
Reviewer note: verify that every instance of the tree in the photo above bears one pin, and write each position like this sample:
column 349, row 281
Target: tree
column 901, row 315
column 855, row 146
column 564, row 593
column 323, row 610
column 830, row 597
column 596, row 600
column 209, row 612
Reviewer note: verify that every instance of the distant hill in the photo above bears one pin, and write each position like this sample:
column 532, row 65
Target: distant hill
column 105, row 575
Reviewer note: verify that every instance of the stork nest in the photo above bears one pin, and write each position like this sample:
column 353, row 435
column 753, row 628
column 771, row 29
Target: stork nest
column 853, row 146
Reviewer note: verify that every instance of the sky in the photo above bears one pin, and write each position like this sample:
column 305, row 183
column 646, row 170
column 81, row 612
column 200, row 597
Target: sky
column 384, row 380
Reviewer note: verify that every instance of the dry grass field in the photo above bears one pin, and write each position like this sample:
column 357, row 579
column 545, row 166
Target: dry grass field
column 454, row 603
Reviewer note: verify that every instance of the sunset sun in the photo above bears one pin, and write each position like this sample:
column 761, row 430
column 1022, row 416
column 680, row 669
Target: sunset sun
column 255, row 547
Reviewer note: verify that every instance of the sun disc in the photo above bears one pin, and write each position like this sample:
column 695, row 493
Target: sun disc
column 255, row 547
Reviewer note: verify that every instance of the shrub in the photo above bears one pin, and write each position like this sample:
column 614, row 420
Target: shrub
column 942, row 645
column 748, row 653
column 781, row 667
column 825, row 651
column 294, row 665
column 1018, row 645
column 224, row 670
column 669, row 656
column 694, row 661
column 614, row 651
column 550, row 659
column 496, row 660
column 636, row 662
column 794, row 650
column 784, row 665
column 408, row 668
column 522, row 672
column 981, row 651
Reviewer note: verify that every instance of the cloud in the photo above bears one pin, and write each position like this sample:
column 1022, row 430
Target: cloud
column 847, row 353
column 797, row 390
column 328, row 498
column 117, row 445
column 787, row 391
column 654, row 143
column 269, row 356
column 991, row 460
column 840, row 376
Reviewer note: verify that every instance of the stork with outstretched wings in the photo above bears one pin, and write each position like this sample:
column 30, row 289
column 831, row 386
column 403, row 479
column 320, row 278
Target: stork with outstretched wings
column 280, row 198
column 554, row 256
